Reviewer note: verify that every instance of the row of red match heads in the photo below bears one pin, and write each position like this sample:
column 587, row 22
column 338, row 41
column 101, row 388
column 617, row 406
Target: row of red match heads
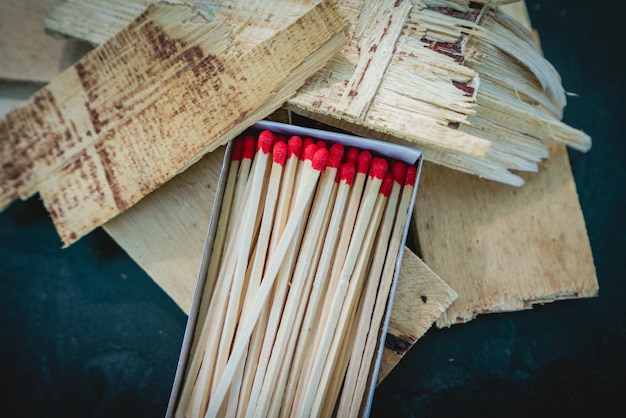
column 347, row 162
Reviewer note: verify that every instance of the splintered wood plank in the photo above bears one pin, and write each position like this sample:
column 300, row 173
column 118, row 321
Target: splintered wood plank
column 378, row 27
column 505, row 249
column 431, row 92
column 28, row 52
column 420, row 299
column 152, row 100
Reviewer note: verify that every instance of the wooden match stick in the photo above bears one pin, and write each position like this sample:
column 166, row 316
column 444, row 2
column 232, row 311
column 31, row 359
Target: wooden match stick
column 380, row 306
column 216, row 254
column 232, row 272
column 277, row 396
column 218, row 308
column 336, row 298
column 222, row 226
column 279, row 157
column 364, row 159
column 283, row 280
column 294, row 149
column 389, row 190
column 198, row 370
column 283, row 199
column 366, row 307
column 345, row 179
column 249, row 149
column 304, row 268
column 311, row 174
column 334, row 368
column 336, row 154
column 243, row 247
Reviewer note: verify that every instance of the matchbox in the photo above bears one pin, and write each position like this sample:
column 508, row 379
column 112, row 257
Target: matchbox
column 298, row 275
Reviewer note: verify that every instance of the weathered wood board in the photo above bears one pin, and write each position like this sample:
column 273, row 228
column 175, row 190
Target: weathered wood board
column 150, row 101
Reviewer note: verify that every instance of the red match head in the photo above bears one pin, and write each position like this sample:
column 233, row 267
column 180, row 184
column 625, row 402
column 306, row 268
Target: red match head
column 321, row 144
column 411, row 176
column 308, row 152
column 379, row 168
column 294, row 146
column 387, row 184
column 237, row 150
column 249, row 147
column 399, row 172
column 335, row 154
column 320, row 159
column 307, row 141
column 346, row 172
column 352, row 154
column 266, row 141
column 363, row 161
column 279, row 154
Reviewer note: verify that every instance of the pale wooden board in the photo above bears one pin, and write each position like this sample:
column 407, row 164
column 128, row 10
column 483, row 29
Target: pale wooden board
column 419, row 300
column 165, row 232
column 28, row 53
column 501, row 248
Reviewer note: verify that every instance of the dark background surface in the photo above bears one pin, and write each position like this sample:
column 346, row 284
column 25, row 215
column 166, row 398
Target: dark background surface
column 84, row 332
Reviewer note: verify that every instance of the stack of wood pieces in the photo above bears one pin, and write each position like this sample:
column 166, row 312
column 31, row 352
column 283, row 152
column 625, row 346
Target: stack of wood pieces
column 460, row 80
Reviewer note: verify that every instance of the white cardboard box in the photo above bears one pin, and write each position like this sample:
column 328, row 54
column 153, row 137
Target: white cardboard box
column 408, row 155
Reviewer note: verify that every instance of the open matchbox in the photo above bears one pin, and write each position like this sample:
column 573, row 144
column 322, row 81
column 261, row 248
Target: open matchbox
column 392, row 152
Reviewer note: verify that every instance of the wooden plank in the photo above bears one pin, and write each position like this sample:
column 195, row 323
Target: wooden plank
column 28, row 53
column 149, row 102
column 420, row 299
column 505, row 249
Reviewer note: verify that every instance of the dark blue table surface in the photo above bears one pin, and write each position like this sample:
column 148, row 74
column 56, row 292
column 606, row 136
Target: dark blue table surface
column 84, row 332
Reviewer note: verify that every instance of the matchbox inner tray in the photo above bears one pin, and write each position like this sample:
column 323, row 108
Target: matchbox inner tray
column 300, row 335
